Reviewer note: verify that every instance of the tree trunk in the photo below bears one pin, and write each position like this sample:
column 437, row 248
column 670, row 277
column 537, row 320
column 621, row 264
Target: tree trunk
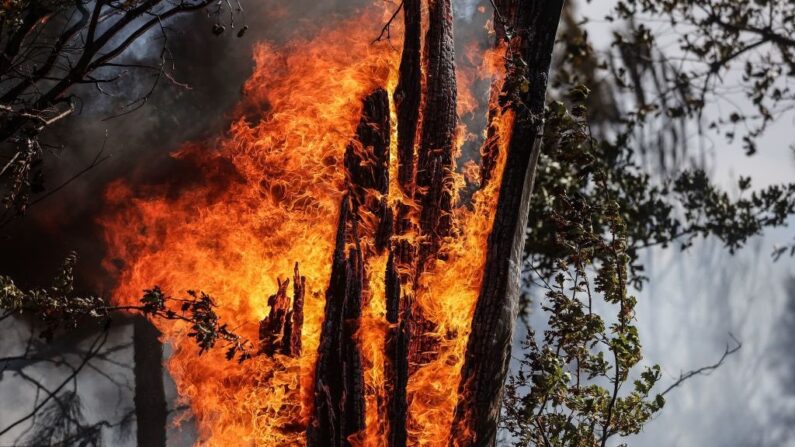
column 434, row 179
column 488, row 350
column 150, row 397
column 339, row 382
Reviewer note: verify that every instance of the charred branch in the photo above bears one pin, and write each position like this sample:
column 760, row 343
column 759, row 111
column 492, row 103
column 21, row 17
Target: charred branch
column 396, row 368
column 408, row 94
column 292, row 346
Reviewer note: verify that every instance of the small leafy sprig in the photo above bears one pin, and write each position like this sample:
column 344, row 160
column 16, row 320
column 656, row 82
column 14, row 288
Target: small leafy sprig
column 58, row 307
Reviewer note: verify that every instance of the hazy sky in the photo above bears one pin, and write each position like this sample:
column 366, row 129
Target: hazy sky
column 696, row 298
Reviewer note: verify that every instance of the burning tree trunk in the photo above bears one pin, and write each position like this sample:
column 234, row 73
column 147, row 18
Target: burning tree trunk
column 339, row 384
column 339, row 381
column 407, row 98
column 435, row 164
column 488, row 351
column 150, row 397
column 398, row 315
column 434, row 179
column 367, row 168
column 427, row 179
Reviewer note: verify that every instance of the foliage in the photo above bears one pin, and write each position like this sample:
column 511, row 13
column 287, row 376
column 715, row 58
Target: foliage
column 712, row 38
column 676, row 211
column 58, row 307
column 658, row 209
column 569, row 387
column 593, row 210
column 51, row 49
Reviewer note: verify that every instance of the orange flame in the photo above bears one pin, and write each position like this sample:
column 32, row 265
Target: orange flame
column 269, row 197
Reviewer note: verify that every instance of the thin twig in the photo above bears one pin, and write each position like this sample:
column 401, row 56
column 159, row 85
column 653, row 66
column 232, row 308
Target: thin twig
column 705, row 370
column 385, row 29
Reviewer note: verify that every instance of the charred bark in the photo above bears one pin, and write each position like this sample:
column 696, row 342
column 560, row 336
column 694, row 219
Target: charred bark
column 339, row 381
column 367, row 167
column 280, row 331
column 292, row 346
column 434, row 178
column 151, row 413
column 396, row 369
column 272, row 327
column 400, row 265
column 489, row 345
column 408, row 93
column 504, row 26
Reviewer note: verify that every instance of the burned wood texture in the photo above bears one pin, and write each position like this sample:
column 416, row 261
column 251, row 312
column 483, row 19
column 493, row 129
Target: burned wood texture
column 505, row 23
column 280, row 331
column 434, row 180
column 490, row 151
column 402, row 257
column 339, row 381
column 488, row 349
column 396, row 368
column 292, row 344
column 408, row 93
column 367, row 167
column 273, row 328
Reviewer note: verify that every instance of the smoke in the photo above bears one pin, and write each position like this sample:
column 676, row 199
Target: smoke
column 196, row 106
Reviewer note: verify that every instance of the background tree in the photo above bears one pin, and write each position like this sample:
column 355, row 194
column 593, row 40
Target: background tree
column 51, row 48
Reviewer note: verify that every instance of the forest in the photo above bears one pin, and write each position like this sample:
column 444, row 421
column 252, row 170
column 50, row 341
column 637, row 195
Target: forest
column 442, row 223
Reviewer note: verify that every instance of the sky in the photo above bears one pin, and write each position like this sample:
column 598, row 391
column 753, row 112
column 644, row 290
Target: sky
column 696, row 299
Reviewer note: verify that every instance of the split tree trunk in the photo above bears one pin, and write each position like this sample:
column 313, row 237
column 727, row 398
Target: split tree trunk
column 339, row 381
column 435, row 166
column 399, row 272
column 487, row 358
column 151, row 413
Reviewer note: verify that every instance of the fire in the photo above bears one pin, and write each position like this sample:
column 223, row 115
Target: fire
column 269, row 197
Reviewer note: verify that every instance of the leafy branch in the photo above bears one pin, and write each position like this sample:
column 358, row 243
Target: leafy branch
column 58, row 307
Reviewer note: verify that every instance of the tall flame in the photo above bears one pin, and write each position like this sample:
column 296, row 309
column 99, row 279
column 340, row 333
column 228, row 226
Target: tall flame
column 269, row 196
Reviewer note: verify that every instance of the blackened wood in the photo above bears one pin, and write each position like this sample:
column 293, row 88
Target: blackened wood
column 392, row 282
column 150, row 397
column 324, row 429
column 272, row 327
column 339, row 377
column 408, row 93
column 292, row 342
column 434, row 174
column 434, row 179
column 353, row 408
column 396, row 368
column 489, row 346
column 398, row 339
column 490, row 151
column 367, row 167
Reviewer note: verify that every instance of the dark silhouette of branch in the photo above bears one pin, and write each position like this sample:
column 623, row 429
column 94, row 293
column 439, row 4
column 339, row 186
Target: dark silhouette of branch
column 705, row 370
